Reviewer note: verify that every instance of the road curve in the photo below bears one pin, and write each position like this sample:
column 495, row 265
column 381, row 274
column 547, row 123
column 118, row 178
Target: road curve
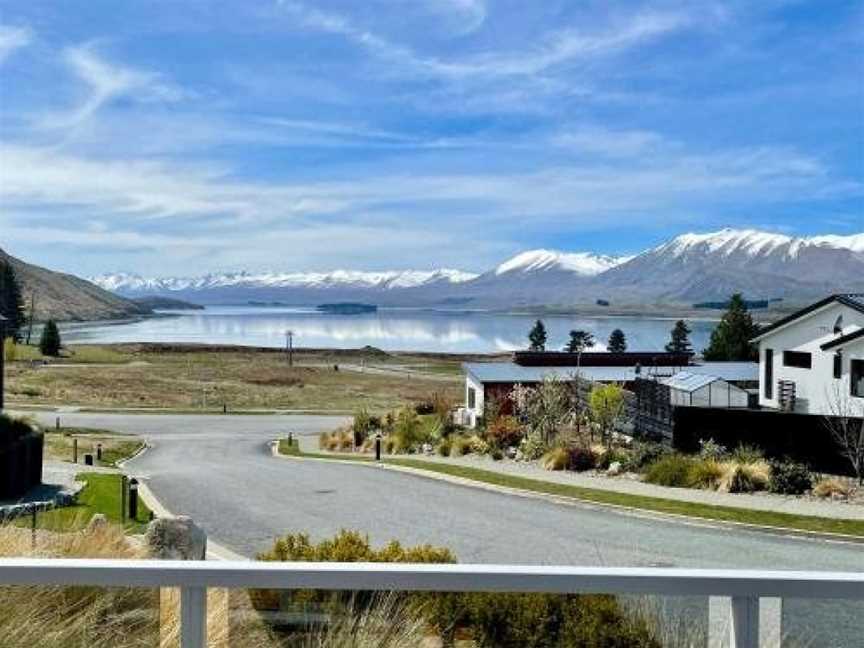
column 219, row 470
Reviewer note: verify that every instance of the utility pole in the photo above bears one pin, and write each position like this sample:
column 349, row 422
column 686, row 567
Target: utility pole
column 30, row 318
column 289, row 346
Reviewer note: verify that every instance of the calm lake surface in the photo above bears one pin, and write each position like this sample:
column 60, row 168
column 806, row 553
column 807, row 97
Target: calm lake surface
column 390, row 329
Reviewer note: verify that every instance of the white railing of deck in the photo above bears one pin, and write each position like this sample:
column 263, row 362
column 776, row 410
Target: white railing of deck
column 743, row 587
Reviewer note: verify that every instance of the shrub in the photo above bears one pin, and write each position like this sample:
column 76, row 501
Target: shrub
column 832, row 487
column 461, row 447
column 49, row 343
column 362, row 426
column 532, row 447
column 749, row 477
column 389, row 444
column 581, row 459
column 444, row 447
column 478, row 445
column 710, row 450
column 790, row 478
column 497, row 454
column 424, row 407
column 671, row 470
column 610, row 456
column 707, row 473
column 747, row 454
column 645, row 453
column 504, row 432
column 556, row 459
column 324, row 441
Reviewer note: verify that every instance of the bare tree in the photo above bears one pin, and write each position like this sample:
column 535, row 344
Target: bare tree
column 846, row 425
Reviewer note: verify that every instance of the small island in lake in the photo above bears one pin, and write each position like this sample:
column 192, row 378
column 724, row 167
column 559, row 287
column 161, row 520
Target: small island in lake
column 347, row 308
column 155, row 302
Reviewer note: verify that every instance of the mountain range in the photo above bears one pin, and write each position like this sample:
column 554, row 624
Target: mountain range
column 686, row 269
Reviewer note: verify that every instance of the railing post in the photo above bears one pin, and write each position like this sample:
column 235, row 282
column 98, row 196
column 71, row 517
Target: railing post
column 744, row 631
column 193, row 617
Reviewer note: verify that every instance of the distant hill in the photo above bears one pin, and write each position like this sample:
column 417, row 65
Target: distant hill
column 65, row 297
column 156, row 302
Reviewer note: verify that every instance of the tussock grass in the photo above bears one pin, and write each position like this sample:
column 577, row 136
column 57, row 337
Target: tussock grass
column 555, row 459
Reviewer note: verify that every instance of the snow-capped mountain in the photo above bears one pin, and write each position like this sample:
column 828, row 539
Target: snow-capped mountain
column 585, row 264
column 689, row 268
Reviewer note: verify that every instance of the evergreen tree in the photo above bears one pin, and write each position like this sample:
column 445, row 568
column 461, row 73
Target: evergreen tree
column 50, row 342
column 537, row 337
column 617, row 342
column 11, row 301
column 731, row 339
column 680, row 339
column 579, row 342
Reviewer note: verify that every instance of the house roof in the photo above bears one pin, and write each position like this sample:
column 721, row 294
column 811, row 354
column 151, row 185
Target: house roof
column 689, row 382
column 852, row 300
column 844, row 339
column 509, row 372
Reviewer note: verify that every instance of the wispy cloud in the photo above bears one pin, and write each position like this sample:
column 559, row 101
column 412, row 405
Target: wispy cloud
column 107, row 81
column 13, row 38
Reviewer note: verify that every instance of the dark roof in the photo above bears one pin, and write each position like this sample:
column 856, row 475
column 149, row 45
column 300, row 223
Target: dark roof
column 843, row 339
column 600, row 359
column 852, row 300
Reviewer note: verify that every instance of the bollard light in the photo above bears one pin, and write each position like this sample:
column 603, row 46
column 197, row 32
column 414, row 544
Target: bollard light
column 99, row 452
column 133, row 499
column 378, row 447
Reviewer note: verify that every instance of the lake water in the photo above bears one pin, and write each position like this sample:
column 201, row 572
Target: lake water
column 390, row 329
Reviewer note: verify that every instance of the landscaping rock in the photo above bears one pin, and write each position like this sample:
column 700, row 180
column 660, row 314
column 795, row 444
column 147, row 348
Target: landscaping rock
column 614, row 469
column 512, row 453
column 176, row 539
column 97, row 522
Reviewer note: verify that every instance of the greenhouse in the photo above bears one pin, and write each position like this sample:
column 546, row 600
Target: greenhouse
column 699, row 390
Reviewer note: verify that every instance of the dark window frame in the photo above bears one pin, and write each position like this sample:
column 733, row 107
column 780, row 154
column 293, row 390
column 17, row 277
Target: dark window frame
column 769, row 374
column 472, row 398
column 838, row 365
column 856, row 378
column 798, row 359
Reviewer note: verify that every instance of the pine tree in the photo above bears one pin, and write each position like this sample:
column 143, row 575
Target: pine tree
column 680, row 339
column 579, row 341
column 50, row 342
column 537, row 337
column 731, row 339
column 11, row 301
column 617, row 342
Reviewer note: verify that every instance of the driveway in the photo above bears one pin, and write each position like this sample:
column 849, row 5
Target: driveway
column 219, row 470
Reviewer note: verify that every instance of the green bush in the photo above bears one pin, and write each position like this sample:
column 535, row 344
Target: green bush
column 621, row 455
column 790, row 478
column 671, row 470
column 706, row 473
column 747, row 454
column 445, row 447
column 711, row 450
column 496, row 454
column 461, row 447
column 645, row 453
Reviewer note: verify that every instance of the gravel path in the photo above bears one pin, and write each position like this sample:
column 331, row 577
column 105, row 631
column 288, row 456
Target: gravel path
column 630, row 485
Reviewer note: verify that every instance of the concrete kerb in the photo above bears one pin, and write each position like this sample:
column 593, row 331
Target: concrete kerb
column 565, row 500
column 215, row 551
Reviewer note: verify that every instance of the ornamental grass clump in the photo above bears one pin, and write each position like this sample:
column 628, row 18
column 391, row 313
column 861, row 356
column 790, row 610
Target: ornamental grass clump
column 556, row 459
column 672, row 470
column 833, row 488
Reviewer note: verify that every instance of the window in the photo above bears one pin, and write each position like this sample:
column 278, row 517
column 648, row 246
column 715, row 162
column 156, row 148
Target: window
column 798, row 359
column 769, row 374
column 856, row 377
column 472, row 398
column 838, row 364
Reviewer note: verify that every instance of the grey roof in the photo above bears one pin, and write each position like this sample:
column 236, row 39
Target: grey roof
column 509, row 372
column 689, row 382
column 852, row 300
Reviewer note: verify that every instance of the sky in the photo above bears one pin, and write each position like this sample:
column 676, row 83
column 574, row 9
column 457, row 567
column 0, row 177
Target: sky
column 166, row 138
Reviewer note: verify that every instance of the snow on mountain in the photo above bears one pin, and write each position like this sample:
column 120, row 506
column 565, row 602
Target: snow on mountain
column 756, row 243
column 129, row 283
column 585, row 264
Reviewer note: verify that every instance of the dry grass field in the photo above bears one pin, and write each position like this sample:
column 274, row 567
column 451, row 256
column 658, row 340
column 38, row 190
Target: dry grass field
column 205, row 379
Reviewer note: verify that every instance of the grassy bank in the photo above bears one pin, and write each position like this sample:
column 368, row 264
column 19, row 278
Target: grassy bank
column 657, row 505
column 101, row 494
column 196, row 380
column 115, row 447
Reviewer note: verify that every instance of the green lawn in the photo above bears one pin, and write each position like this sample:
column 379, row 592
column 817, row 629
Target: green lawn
column 101, row 495
column 115, row 446
column 655, row 504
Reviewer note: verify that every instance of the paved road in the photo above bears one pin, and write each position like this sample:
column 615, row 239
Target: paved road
column 218, row 469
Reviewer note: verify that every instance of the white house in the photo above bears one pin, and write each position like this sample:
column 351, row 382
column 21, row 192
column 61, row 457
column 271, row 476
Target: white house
column 813, row 360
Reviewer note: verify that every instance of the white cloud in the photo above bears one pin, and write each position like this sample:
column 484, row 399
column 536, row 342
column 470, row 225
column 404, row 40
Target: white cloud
column 13, row 38
column 107, row 81
column 590, row 140
column 557, row 47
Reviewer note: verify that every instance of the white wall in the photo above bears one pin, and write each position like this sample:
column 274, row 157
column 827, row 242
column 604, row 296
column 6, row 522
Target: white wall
column 477, row 411
column 815, row 388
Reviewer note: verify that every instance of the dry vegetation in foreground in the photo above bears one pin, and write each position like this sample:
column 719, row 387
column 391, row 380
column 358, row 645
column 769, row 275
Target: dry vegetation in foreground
column 143, row 376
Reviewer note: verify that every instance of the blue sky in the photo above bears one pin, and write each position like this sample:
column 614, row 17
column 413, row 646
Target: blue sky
column 187, row 137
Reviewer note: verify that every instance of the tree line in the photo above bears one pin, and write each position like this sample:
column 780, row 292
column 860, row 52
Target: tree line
column 18, row 322
column 730, row 340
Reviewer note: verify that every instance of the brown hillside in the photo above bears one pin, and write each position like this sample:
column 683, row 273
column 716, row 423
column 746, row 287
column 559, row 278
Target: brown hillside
column 65, row 297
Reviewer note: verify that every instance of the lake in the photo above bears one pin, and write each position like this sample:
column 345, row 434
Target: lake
column 389, row 329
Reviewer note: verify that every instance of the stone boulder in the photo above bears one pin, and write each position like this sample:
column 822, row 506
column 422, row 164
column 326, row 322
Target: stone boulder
column 175, row 539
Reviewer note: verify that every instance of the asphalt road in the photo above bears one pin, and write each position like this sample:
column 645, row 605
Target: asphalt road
column 218, row 469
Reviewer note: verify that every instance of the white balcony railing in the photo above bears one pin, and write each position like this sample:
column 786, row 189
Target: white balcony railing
column 743, row 587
